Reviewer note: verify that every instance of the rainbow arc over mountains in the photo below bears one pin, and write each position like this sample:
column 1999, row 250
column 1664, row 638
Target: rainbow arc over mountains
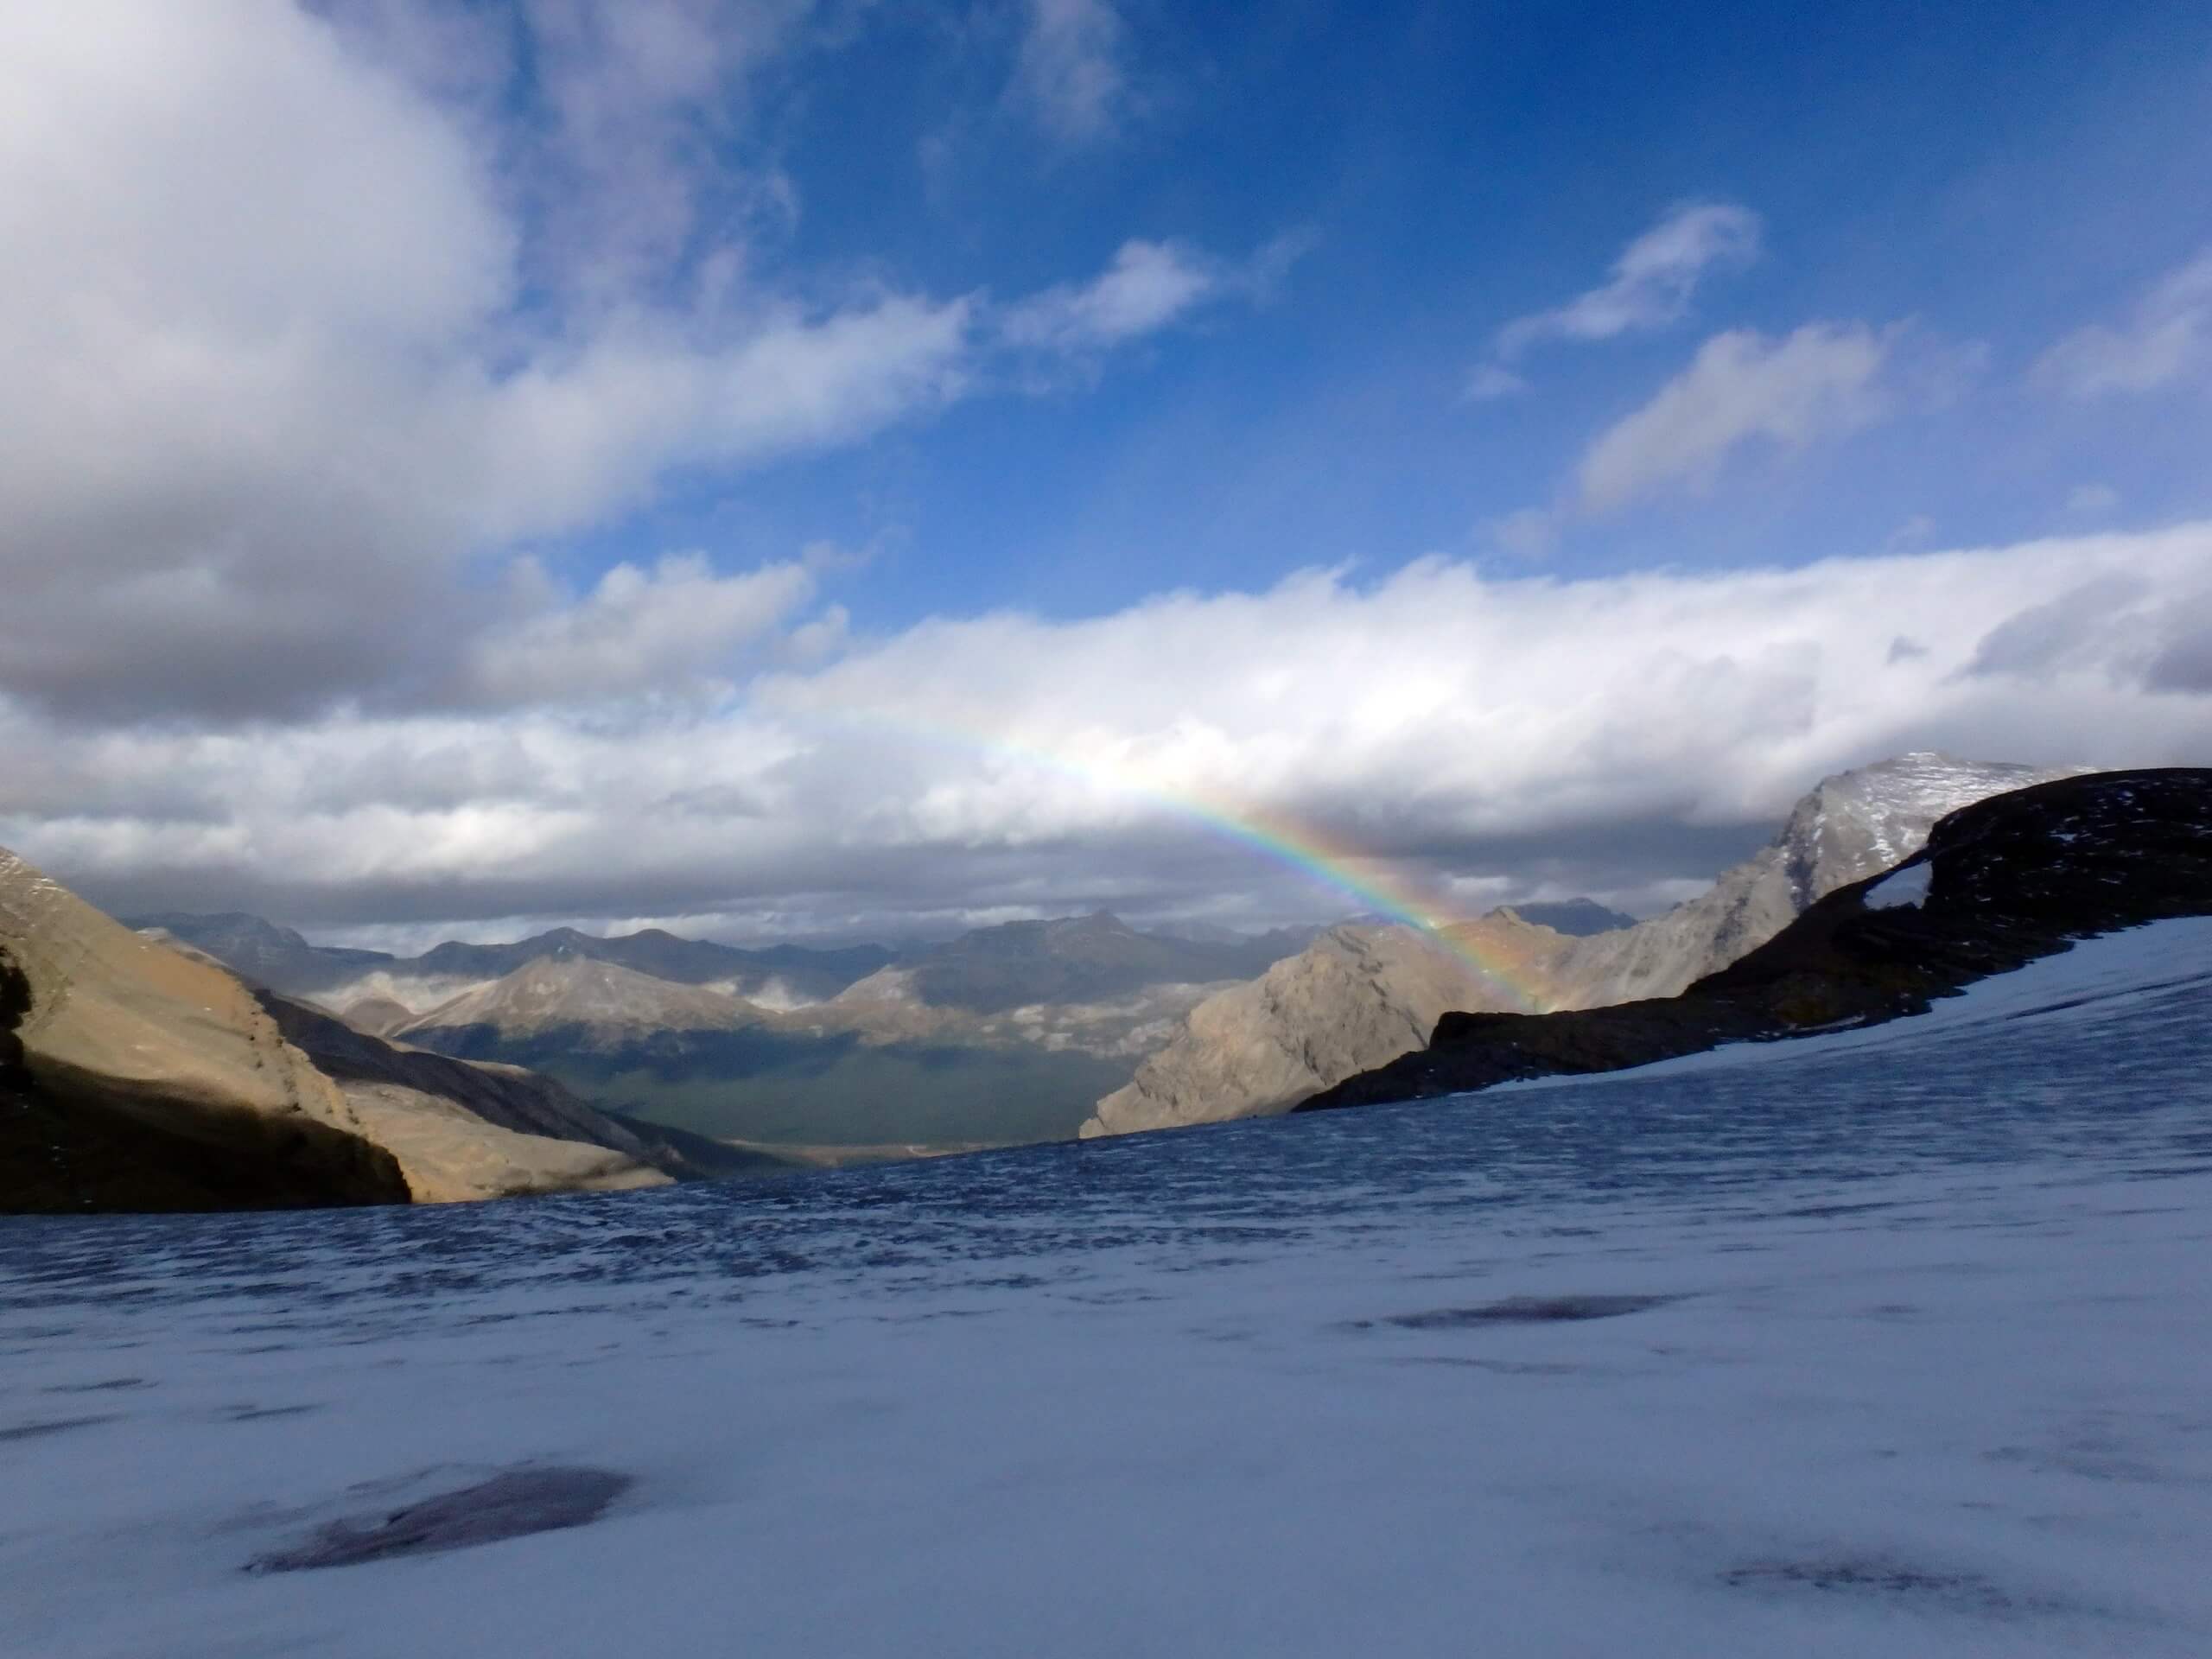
column 1274, row 836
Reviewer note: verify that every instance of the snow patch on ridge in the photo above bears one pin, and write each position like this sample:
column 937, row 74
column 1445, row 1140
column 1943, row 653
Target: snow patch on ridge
column 1907, row 886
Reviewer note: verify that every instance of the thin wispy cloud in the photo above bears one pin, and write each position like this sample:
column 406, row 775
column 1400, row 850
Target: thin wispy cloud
column 1069, row 73
column 1652, row 285
column 2166, row 337
column 1148, row 285
column 1742, row 389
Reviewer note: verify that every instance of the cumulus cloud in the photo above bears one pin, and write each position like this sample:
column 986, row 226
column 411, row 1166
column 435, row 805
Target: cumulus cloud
column 1069, row 70
column 296, row 336
column 1742, row 388
column 678, row 626
column 2167, row 336
column 1623, row 735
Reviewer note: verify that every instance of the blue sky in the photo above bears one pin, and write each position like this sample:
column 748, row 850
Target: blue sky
column 775, row 467
column 1995, row 180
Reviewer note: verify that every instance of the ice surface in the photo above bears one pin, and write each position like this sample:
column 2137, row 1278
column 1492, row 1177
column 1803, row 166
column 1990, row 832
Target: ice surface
column 1905, row 887
column 1889, row 1341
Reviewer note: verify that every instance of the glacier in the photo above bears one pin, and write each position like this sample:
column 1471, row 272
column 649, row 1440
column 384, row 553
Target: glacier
column 1888, row 1340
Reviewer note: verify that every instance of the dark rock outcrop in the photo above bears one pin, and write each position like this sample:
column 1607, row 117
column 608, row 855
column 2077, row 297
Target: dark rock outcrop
column 1999, row 884
column 514, row 1504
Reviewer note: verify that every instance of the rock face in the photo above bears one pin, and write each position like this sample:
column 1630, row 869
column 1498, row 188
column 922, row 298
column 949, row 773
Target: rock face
column 469, row 1129
column 1357, row 998
column 2000, row 885
column 1355, row 993
column 1851, row 826
column 135, row 1076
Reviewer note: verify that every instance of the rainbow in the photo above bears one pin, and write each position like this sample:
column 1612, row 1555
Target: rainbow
column 1275, row 836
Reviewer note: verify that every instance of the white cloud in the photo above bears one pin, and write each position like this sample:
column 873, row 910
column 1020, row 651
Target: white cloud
column 1148, row 286
column 292, row 338
column 1653, row 281
column 1601, row 733
column 1742, row 387
column 1069, row 72
column 677, row 626
column 2168, row 336
column 1526, row 533
column 1491, row 381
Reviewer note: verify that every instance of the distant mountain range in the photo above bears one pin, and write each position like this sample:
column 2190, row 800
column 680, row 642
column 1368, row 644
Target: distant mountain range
column 284, row 961
column 137, row 1072
column 1006, row 1033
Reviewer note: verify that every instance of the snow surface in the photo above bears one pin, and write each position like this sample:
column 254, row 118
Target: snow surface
column 1907, row 886
column 2109, row 979
column 1932, row 1384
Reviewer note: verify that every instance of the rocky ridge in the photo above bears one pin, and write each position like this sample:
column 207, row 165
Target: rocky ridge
column 134, row 1074
column 1362, row 997
column 1999, row 884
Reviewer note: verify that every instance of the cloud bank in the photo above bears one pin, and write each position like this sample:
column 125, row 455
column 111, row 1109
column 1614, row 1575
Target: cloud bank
column 1484, row 737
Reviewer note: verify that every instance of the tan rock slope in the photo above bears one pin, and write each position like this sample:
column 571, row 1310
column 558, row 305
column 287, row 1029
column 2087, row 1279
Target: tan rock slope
column 133, row 1075
column 1362, row 997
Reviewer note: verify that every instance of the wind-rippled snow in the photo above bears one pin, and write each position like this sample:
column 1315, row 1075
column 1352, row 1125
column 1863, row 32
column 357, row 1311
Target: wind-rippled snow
column 1889, row 1343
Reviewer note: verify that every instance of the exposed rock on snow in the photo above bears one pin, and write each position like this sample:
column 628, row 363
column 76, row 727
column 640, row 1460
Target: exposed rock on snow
column 510, row 1506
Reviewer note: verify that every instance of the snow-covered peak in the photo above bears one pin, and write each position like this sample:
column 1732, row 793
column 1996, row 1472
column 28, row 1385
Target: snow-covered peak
column 1860, row 822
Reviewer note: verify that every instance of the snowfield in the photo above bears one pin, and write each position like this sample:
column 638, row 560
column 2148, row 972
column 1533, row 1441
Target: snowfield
column 1886, row 1342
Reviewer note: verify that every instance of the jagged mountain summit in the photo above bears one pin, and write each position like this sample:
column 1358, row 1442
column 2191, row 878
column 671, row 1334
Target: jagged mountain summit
column 1361, row 996
column 1849, row 827
column 1999, row 884
column 599, row 1002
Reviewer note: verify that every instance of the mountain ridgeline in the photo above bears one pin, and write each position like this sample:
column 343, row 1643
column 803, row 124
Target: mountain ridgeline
column 216, row 1061
column 1361, row 996
column 1999, row 884
column 1006, row 1033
